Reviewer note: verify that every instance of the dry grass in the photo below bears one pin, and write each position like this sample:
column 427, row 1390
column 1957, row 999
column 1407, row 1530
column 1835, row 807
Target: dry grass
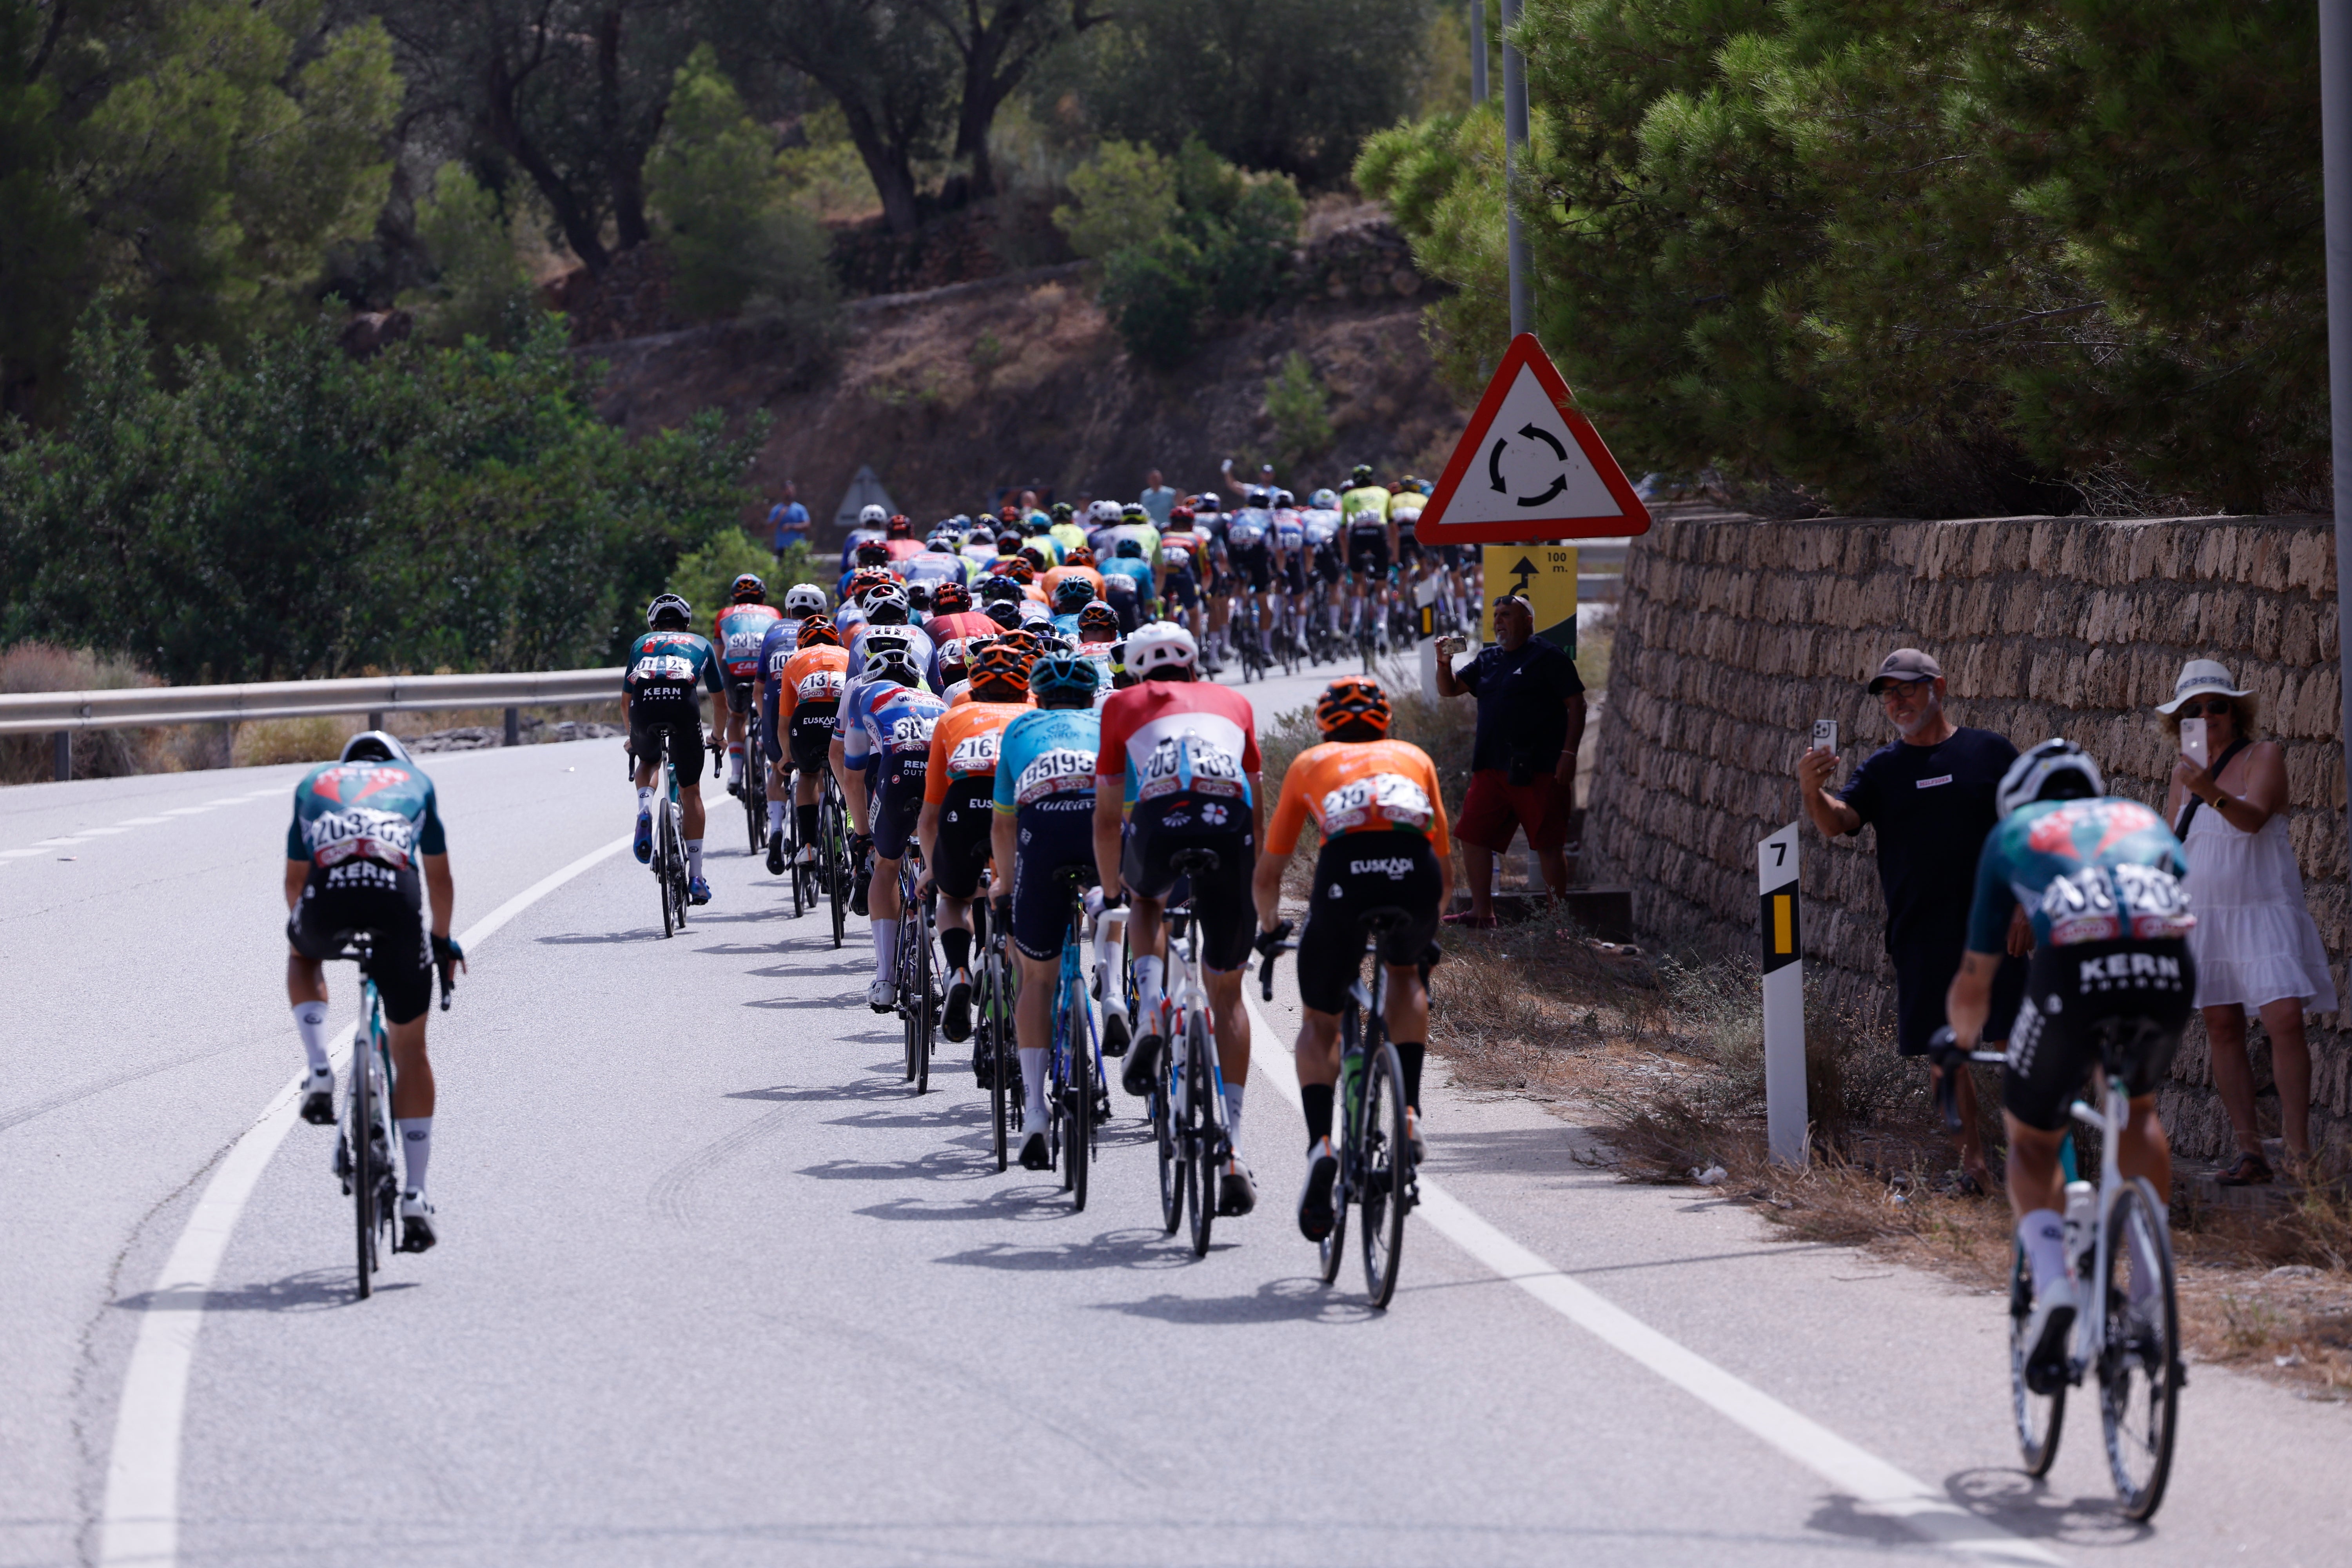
column 269, row 741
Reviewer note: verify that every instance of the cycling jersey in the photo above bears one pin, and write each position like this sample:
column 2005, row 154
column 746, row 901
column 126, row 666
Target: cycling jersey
column 905, row 550
column 383, row 813
column 663, row 666
column 736, row 632
column 1373, row 499
column 1045, row 783
column 1045, row 544
column 977, row 554
column 808, row 699
column 1061, row 575
column 1182, row 566
column 1360, row 786
column 960, row 780
column 890, row 725
column 1069, row 535
column 933, row 567
column 2085, row 870
column 953, row 641
column 776, row 651
column 1181, row 745
column 871, row 639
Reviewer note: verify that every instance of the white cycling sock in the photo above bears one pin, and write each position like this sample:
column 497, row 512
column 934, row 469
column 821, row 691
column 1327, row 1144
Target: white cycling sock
column 1148, row 971
column 776, row 818
column 310, row 1023
column 1233, row 1116
column 886, row 949
column 415, row 1150
column 2042, row 1233
column 646, row 798
column 694, row 857
column 1033, row 1086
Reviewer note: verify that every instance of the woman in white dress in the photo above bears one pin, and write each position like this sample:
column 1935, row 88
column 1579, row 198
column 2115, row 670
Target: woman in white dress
column 2256, row 948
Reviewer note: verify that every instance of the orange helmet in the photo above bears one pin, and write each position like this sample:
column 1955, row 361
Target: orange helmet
column 1352, row 699
column 1000, row 672
column 818, row 631
column 871, row 577
column 1021, row 571
column 1081, row 556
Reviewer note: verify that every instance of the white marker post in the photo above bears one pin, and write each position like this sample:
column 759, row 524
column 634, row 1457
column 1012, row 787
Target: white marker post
column 1784, row 997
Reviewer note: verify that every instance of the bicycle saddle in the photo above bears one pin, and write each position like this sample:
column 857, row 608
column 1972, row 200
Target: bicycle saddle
column 1193, row 862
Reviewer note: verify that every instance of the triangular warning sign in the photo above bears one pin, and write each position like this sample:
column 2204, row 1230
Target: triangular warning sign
column 1530, row 466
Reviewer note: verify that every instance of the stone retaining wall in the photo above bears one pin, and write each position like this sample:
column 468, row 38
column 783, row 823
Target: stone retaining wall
column 1734, row 635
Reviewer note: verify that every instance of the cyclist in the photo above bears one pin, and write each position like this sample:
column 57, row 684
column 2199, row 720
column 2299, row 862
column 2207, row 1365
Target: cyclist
column 802, row 601
column 1178, row 770
column 1375, row 802
column 2099, row 874
column 887, row 621
column 1066, row 529
column 1371, row 546
column 737, row 632
column 898, row 539
column 1177, row 584
column 953, row 622
column 364, row 828
column 657, row 683
column 1250, row 549
column 807, row 699
column 1045, row 805
column 1078, row 563
column 1128, row 583
column 1324, row 529
column 873, row 527
column 958, row 787
column 1074, row 594
column 885, row 724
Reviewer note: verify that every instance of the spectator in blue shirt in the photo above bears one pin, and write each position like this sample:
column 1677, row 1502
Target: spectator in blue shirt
column 788, row 521
column 1157, row 499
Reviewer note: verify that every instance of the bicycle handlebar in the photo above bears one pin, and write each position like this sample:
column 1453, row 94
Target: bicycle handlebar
column 1271, row 945
column 1945, row 1055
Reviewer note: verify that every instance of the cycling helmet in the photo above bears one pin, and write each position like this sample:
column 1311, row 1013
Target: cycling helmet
column 1098, row 618
column 669, row 607
column 1034, row 556
column 1133, row 512
column 818, row 631
column 1360, row 474
column 1005, row 613
column 1353, row 704
column 1072, row 594
column 873, row 553
column 1064, row 675
column 1062, row 512
column 1254, row 495
column 746, row 589
column 864, row 578
column 937, row 546
column 901, row 526
column 891, row 661
column 1104, row 512
column 1022, row 570
column 1180, row 517
column 1033, row 614
column 1283, row 497
column 803, row 599
column 1162, row 644
column 1208, row 503
column 2055, row 770
column 1023, row 638
column 997, row 586
column 918, row 600
column 1077, row 556
column 887, row 606
column 374, row 746
column 1130, row 550
column 1000, row 672
column 870, row 516
column 1324, row 500
column 950, row 599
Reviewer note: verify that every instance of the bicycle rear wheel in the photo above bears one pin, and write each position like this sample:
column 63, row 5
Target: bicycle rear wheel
column 2040, row 1418
column 923, row 1013
column 1201, row 1121
column 832, row 830
column 661, row 869
column 1080, row 1149
column 363, row 1162
column 678, row 876
column 1167, row 1137
column 2139, row 1365
column 1388, row 1173
column 994, row 1023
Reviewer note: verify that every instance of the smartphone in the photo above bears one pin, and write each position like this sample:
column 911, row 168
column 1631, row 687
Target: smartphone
column 1825, row 734
column 2192, row 742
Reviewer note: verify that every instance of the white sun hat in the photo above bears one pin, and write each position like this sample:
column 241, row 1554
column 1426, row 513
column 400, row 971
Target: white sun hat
column 2198, row 677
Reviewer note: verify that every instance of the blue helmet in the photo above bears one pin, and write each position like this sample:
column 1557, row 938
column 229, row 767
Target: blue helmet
column 1064, row 675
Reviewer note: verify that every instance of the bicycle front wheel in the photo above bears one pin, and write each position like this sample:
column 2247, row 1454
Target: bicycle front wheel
column 2040, row 1417
column 1387, row 1166
column 923, row 1013
column 995, row 1024
column 1167, row 1139
column 2139, row 1365
column 836, row 865
column 1200, row 1129
column 364, row 1171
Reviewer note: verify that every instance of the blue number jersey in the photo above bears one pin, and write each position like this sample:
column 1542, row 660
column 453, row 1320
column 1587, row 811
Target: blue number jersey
column 1045, row 762
column 883, row 720
column 2085, row 870
column 382, row 812
column 663, row 666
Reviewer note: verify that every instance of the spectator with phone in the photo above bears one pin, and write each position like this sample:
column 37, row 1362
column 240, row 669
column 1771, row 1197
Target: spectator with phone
column 1930, row 795
column 2256, row 947
column 1522, row 755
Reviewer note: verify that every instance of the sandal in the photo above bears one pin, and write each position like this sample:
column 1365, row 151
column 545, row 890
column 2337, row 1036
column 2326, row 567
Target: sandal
column 1474, row 922
column 2248, row 1170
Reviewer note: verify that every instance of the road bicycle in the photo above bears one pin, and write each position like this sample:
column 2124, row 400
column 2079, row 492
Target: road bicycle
column 2126, row 1334
column 1187, row 1104
column 1077, row 1094
column 755, row 783
column 1378, row 1172
column 992, row 1040
column 918, row 977
column 363, row 1158
column 833, row 851
column 1243, row 627
column 670, row 863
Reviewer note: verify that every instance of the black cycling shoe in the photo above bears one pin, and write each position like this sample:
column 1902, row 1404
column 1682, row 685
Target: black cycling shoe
column 319, row 1099
column 955, row 1022
column 775, row 855
column 1141, row 1074
column 1033, row 1154
column 1114, row 1040
column 857, row 896
column 1315, row 1197
column 1236, row 1192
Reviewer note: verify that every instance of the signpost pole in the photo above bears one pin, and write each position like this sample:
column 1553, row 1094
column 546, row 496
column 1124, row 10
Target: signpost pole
column 1515, row 140
column 1785, row 1111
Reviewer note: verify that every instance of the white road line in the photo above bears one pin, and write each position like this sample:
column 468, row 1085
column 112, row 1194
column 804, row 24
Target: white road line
column 1880, row 1488
column 96, row 832
column 141, row 1523
column 231, row 800
column 188, row 811
column 53, row 843
column 141, row 821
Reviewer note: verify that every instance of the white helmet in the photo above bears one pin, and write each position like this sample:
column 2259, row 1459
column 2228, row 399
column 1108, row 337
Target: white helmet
column 873, row 517
column 1105, row 512
column 893, row 661
column 804, row 599
column 2053, row 759
column 374, row 746
column 1158, row 645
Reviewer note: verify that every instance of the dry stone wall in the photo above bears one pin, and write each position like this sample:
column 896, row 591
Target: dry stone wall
column 1734, row 634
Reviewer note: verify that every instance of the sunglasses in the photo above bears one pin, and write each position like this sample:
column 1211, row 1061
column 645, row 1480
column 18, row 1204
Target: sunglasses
column 2214, row 708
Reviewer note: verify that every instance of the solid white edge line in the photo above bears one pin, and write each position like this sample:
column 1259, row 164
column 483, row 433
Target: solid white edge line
column 141, row 1520
column 1880, row 1488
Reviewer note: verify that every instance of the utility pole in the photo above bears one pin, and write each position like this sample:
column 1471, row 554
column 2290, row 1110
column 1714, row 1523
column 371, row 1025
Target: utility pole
column 2336, row 150
column 1478, row 52
column 1514, row 144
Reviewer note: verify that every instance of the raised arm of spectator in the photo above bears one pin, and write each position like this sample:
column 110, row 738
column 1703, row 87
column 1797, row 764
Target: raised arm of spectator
column 1450, row 685
column 1832, row 816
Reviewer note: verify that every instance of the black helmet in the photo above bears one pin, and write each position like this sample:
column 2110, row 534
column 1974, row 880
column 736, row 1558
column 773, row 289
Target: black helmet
column 1360, row 474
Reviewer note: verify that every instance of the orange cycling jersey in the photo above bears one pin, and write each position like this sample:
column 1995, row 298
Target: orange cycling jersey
column 1360, row 786
column 1053, row 579
column 811, row 675
column 963, row 745
column 960, row 694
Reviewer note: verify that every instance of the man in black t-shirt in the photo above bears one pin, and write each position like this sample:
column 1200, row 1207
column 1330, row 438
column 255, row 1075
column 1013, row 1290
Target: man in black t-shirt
column 1929, row 794
column 1523, row 759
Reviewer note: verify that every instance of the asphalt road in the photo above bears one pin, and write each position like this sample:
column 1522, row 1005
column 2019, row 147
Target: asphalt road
column 714, row 1289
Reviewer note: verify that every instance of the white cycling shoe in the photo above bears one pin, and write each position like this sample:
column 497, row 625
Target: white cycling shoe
column 882, row 995
column 319, row 1098
column 1236, row 1190
column 417, row 1232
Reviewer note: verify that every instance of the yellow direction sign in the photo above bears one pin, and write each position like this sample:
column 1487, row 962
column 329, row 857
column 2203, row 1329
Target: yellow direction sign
column 1545, row 576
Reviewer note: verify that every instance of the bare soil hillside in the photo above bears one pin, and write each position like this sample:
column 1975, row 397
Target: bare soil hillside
column 952, row 393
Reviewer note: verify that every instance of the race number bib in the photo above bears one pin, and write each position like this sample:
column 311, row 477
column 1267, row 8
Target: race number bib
column 1397, row 800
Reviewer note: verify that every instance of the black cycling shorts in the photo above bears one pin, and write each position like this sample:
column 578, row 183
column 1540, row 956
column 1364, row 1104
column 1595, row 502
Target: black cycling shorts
column 967, row 819
column 1222, row 902
column 1368, row 552
column 1181, row 592
column 2069, row 992
column 1051, row 834
column 1327, row 564
column 1294, row 575
column 770, row 743
column 813, row 737
column 1408, row 547
column 897, row 803
column 739, row 692
column 1256, row 566
column 650, row 720
column 362, row 896
column 1357, row 873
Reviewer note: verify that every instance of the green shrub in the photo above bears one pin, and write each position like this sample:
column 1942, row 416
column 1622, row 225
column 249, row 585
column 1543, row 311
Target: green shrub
column 1153, row 295
column 479, row 288
column 1300, row 409
column 1126, row 196
column 702, row 577
column 1221, row 252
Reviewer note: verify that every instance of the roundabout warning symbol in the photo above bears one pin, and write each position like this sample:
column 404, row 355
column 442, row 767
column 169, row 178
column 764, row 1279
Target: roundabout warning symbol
column 1530, row 466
